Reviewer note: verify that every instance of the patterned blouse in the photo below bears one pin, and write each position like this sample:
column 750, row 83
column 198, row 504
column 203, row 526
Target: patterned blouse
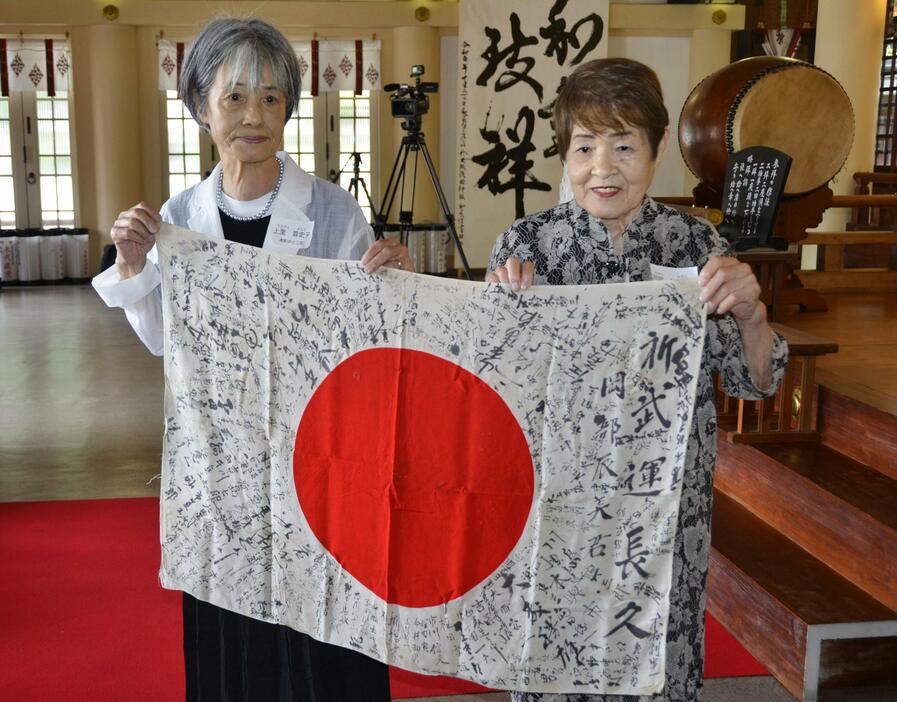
column 570, row 247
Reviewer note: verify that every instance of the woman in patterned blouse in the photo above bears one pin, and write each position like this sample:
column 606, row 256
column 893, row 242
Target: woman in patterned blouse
column 612, row 129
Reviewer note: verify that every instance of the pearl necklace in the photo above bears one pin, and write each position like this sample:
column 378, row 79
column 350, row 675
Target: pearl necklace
column 219, row 196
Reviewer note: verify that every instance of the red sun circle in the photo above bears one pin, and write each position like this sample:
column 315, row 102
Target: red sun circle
column 413, row 473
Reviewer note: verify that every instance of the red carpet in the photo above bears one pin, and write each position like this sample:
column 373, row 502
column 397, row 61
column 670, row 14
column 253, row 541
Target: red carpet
column 82, row 615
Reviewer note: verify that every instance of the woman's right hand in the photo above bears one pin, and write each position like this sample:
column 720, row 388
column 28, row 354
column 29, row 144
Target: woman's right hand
column 134, row 234
column 514, row 273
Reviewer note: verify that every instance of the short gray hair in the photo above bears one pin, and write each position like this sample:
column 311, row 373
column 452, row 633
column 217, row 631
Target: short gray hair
column 245, row 46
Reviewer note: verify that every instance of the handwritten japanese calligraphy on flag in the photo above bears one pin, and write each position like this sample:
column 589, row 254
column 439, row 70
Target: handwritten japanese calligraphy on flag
column 513, row 59
column 444, row 475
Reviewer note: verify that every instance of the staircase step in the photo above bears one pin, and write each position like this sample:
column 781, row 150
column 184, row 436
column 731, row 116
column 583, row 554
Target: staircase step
column 855, row 429
column 837, row 509
column 807, row 624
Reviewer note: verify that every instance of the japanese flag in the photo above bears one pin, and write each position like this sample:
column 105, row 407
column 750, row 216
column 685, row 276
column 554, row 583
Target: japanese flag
column 444, row 475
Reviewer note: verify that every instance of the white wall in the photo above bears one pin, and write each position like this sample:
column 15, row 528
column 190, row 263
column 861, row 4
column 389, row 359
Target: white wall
column 669, row 57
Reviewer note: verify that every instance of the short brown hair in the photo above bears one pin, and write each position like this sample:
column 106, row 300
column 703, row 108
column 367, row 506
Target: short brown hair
column 603, row 94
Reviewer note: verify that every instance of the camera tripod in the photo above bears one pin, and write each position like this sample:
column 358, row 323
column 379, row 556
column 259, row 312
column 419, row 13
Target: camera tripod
column 414, row 142
column 357, row 180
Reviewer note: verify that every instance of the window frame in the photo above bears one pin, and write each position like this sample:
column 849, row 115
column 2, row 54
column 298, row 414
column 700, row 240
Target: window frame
column 208, row 155
column 26, row 155
column 885, row 155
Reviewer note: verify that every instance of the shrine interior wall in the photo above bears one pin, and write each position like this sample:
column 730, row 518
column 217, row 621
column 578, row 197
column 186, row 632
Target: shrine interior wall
column 117, row 116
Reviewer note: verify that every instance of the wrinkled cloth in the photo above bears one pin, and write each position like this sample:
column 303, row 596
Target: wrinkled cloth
column 570, row 247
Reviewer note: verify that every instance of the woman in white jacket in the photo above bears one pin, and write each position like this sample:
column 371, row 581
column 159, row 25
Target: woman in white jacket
column 240, row 82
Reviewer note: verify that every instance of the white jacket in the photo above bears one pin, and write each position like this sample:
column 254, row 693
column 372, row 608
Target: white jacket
column 331, row 216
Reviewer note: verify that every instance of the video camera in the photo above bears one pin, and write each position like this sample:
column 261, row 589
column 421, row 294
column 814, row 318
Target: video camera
column 410, row 102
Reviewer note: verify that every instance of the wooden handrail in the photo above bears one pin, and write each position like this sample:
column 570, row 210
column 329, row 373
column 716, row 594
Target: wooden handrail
column 711, row 214
column 849, row 238
column 837, row 200
column 866, row 177
column 864, row 201
column 791, row 415
column 675, row 200
column 802, row 343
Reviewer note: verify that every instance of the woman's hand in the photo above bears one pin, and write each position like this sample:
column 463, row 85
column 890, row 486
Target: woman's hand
column 514, row 273
column 134, row 234
column 728, row 285
column 389, row 253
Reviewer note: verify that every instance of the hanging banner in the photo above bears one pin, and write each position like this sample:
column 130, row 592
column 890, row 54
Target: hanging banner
column 170, row 58
column 444, row 475
column 324, row 66
column 339, row 65
column 36, row 65
column 513, row 59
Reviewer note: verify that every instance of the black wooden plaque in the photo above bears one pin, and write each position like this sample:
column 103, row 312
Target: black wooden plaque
column 755, row 180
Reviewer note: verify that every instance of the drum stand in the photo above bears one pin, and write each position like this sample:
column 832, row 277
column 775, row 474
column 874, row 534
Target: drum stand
column 776, row 271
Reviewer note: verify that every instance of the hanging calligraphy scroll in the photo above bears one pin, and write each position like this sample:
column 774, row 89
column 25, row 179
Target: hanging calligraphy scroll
column 513, row 59
column 443, row 475
column 31, row 65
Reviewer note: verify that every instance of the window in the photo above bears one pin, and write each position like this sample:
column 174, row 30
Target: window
column 299, row 135
column 190, row 153
column 7, row 184
column 355, row 137
column 184, row 168
column 36, row 161
column 57, row 200
column 886, row 132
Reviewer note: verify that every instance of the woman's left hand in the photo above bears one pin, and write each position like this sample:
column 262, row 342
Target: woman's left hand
column 387, row 253
column 728, row 285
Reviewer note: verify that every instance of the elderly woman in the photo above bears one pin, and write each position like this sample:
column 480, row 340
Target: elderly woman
column 240, row 82
column 612, row 129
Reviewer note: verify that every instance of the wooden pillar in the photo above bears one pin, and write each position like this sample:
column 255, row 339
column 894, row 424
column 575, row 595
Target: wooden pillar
column 107, row 108
column 410, row 46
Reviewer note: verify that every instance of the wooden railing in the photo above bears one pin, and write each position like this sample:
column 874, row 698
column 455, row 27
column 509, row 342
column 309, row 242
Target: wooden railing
column 791, row 414
column 835, row 270
column 686, row 205
column 832, row 274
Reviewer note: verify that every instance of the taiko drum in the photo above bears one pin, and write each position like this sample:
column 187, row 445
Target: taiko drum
column 783, row 103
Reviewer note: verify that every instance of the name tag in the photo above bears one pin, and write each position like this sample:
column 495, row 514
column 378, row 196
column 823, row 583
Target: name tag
column 289, row 236
column 668, row 273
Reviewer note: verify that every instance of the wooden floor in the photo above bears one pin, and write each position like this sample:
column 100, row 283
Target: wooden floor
column 80, row 399
column 865, row 328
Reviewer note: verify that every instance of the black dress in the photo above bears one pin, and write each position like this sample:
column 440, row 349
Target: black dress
column 229, row 657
